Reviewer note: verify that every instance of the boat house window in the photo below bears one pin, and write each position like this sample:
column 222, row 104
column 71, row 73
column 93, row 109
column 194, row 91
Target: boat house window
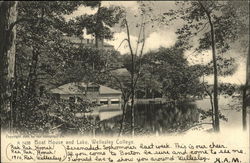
column 115, row 101
column 104, row 101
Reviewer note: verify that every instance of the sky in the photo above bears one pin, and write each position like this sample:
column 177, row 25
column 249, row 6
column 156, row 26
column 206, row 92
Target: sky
column 161, row 35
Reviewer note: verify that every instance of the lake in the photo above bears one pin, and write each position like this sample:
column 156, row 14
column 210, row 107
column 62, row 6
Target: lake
column 156, row 119
column 149, row 119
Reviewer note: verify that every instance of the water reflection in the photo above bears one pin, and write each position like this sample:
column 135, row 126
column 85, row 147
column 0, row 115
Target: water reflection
column 150, row 119
column 154, row 118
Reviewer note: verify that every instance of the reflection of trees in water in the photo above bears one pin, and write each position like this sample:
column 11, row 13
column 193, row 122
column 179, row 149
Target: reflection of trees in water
column 168, row 117
column 152, row 118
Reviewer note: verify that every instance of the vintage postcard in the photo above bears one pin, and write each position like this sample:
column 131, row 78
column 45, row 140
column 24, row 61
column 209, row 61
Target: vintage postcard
column 124, row 81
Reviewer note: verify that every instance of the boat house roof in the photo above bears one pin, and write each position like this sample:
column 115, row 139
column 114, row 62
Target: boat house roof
column 79, row 88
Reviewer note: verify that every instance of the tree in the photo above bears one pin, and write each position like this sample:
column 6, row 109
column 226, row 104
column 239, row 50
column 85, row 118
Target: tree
column 8, row 15
column 41, row 53
column 226, row 67
column 216, row 107
column 98, row 24
column 120, row 78
column 134, row 71
column 133, row 78
column 136, row 54
column 246, row 93
column 224, row 29
column 41, row 32
column 178, row 80
column 149, row 85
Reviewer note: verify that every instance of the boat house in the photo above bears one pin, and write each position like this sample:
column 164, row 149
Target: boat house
column 78, row 91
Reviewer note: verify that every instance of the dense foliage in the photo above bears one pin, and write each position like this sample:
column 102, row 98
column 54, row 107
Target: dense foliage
column 46, row 57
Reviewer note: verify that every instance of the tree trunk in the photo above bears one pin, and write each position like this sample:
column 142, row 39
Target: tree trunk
column 216, row 105
column 211, row 103
column 98, row 39
column 246, row 93
column 33, row 72
column 212, row 107
column 132, row 87
column 244, row 110
column 132, row 97
column 124, row 108
column 8, row 14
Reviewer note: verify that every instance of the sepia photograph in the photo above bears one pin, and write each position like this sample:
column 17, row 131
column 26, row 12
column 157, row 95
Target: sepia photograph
column 91, row 81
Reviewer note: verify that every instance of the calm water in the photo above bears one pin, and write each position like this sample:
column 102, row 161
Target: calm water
column 160, row 118
column 231, row 108
column 150, row 119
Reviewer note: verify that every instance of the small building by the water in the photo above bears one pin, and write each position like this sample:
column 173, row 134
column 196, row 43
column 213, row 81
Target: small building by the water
column 80, row 91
